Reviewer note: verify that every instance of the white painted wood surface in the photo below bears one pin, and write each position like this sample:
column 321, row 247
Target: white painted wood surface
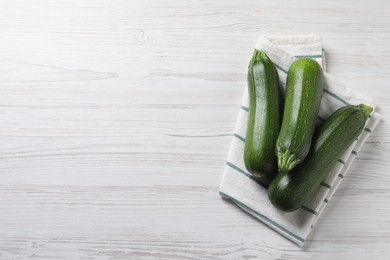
column 116, row 117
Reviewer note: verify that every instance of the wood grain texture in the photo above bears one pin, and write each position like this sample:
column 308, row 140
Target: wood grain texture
column 116, row 118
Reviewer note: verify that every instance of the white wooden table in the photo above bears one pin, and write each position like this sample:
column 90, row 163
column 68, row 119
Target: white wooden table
column 116, row 117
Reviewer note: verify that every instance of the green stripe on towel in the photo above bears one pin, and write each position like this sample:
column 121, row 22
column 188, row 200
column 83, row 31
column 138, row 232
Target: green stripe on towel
column 280, row 68
column 239, row 137
column 341, row 161
column 367, row 130
column 268, row 220
column 245, row 108
column 312, row 211
column 336, row 97
column 326, row 185
column 247, row 174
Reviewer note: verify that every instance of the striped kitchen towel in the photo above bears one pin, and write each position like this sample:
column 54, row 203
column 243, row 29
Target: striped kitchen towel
column 239, row 186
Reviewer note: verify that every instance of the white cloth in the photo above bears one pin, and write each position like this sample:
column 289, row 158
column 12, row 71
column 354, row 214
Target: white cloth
column 239, row 186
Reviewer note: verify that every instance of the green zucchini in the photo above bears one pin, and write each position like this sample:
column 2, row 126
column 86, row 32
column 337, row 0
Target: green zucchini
column 264, row 116
column 290, row 190
column 304, row 89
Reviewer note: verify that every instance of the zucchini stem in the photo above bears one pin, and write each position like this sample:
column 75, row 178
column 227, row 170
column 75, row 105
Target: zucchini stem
column 366, row 110
column 287, row 161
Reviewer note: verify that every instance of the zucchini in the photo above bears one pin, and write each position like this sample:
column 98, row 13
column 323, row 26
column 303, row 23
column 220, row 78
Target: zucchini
column 264, row 116
column 290, row 190
column 304, row 89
